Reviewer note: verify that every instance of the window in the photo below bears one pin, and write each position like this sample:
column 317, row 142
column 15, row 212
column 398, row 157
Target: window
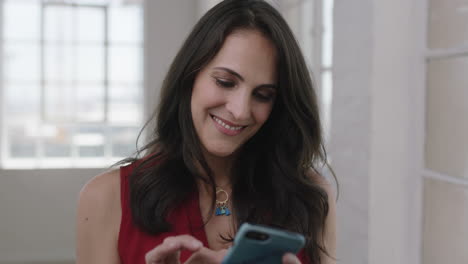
column 445, row 172
column 72, row 82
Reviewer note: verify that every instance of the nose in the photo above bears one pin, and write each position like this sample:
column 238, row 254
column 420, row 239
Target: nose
column 239, row 105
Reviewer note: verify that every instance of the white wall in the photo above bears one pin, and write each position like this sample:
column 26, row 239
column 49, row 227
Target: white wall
column 37, row 208
column 37, row 211
column 373, row 127
column 167, row 24
column 350, row 125
column 397, row 126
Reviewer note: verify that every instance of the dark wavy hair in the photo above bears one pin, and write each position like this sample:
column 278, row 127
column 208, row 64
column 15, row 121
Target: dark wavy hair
column 271, row 182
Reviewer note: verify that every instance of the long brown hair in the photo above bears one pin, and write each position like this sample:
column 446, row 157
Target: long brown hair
column 270, row 182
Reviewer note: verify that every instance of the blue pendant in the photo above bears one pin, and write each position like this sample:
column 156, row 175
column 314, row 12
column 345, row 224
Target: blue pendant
column 222, row 210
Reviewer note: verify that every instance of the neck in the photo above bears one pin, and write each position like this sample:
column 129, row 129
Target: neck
column 221, row 169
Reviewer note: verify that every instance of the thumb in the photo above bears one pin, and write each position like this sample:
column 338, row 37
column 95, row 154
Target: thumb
column 290, row 258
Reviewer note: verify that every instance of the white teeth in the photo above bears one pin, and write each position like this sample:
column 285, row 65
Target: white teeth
column 225, row 125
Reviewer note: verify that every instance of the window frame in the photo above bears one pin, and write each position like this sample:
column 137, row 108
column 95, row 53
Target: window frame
column 428, row 55
column 39, row 160
column 425, row 54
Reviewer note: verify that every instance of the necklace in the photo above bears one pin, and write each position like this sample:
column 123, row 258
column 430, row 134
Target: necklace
column 221, row 205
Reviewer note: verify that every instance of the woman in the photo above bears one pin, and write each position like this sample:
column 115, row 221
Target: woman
column 238, row 135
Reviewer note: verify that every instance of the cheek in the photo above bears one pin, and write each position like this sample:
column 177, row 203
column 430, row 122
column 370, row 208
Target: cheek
column 206, row 94
column 262, row 112
column 194, row 107
column 200, row 100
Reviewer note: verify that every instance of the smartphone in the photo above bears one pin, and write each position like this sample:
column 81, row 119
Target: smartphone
column 261, row 244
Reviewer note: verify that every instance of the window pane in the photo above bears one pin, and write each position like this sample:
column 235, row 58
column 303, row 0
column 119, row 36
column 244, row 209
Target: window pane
column 125, row 104
column 57, row 140
column 126, row 24
column 21, row 20
column 22, row 101
column 446, row 120
column 125, row 64
column 124, row 141
column 21, row 140
column 445, row 232
column 21, row 62
column 327, row 39
column 308, row 35
column 90, row 141
column 90, row 23
column 90, row 103
column 448, row 20
column 326, row 99
column 90, row 63
column 59, row 103
column 59, row 26
column 59, row 63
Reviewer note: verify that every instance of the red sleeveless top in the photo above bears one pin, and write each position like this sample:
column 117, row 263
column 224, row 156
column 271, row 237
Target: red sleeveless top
column 133, row 243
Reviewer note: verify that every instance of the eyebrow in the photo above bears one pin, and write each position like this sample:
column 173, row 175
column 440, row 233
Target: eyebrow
column 268, row 85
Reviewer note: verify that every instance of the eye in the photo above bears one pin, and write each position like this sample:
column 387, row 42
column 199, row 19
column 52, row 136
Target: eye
column 264, row 96
column 225, row 83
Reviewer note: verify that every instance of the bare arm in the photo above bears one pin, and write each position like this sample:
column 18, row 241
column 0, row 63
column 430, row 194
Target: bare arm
column 98, row 220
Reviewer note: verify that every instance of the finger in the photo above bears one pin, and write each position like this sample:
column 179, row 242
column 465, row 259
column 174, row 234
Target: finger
column 290, row 258
column 164, row 253
column 170, row 248
column 167, row 258
column 206, row 256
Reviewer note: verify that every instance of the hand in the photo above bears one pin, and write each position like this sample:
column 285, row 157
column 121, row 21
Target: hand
column 169, row 252
column 206, row 256
column 290, row 258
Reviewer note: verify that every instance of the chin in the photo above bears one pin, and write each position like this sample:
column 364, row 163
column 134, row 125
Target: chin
column 220, row 154
column 220, row 151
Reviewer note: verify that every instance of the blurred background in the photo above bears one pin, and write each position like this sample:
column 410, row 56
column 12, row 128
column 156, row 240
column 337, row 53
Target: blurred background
column 78, row 79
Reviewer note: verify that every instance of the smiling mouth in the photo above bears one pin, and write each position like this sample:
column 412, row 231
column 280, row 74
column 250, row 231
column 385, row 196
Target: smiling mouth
column 226, row 126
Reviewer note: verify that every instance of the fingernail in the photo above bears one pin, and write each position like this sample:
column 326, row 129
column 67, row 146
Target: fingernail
column 197, row 244
column 289, row 257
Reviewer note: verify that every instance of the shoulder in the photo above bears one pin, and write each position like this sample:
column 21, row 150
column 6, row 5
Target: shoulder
column 323, row 182
column 102, row 190
column 98, row 219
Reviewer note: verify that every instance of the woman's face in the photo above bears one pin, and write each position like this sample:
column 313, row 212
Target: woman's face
column 234, row 94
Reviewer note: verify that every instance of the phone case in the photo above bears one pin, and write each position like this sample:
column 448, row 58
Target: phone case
column 271, row 250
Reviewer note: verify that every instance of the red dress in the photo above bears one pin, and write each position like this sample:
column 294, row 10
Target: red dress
column 133, row 244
